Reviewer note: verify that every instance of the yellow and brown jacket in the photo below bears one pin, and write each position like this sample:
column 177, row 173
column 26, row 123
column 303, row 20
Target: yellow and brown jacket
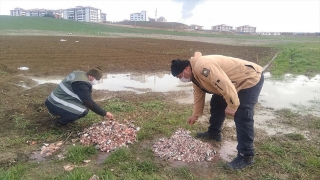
column 221, row 75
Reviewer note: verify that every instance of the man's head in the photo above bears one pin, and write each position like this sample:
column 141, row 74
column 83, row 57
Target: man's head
column 181, row 69
column 94, row 74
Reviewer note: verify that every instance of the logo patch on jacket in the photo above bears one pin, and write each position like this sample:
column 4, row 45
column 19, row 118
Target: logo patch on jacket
column 71, row 76
column 205, row 72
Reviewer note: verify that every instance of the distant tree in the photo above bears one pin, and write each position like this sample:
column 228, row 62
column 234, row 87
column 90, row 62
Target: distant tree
column 49, row 14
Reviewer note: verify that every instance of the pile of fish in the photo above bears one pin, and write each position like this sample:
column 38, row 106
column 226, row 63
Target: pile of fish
column 182, row 146
column 49, row 149
column 109, row 135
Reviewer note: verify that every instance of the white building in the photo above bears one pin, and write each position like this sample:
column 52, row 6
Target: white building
column 30, row 12
column 142, row 16
column 221, row 27
column 83, row 14
column 103, row 17
column 269, row 33
column 246, row 29
column 196, row 27
column 16, row 12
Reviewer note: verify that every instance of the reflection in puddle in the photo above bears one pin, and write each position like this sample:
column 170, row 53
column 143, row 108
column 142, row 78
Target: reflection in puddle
column 127, row 82
column 290, row 92
column 228, row 150
column 23, row 68
column 287, row 93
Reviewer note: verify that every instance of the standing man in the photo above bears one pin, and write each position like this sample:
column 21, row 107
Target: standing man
column 71, row 99
column 235, row 85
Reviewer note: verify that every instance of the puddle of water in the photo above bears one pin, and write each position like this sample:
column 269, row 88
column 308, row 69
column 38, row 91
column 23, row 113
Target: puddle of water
column 23, row 68
column 37, row 157
column 156, row 83
column 290, row 92
column 287, row 93
column 264, row 121
column 228, row 150
column 44, row 81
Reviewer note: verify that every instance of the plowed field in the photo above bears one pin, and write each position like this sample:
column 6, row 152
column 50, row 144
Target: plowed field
column 50, row 56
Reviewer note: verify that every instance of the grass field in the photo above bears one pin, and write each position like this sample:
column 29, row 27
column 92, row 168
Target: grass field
column 68, row 26
column 278, row 157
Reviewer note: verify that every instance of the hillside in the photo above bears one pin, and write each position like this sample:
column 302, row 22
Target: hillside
column 153, row 24
column 76, row 27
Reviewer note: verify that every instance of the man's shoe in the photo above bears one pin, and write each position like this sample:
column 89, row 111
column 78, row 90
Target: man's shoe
column 206, row 135
column 240, row 162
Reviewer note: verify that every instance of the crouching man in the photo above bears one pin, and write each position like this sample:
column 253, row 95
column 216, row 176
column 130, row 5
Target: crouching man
column 235, row 85
column 72, row 99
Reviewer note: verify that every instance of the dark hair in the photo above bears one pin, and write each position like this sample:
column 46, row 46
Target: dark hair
column 95, row 72
column 177, row 66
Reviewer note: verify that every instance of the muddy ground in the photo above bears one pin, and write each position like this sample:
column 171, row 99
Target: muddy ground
column 48, row 56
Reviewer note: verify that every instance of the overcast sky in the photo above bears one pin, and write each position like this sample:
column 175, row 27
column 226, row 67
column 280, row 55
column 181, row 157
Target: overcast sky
column 266, row 15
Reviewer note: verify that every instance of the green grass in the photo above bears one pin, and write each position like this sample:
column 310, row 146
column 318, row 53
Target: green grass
column 295, row 136
column 69, row 26
column 83, row 28
column 280, row 157
column 77, row 173
column 295, row 159
column 77, row 154
column 15, row 172
column 156, row 105
column 19, row 121
column 295, row 119
column 117, row 156
column 183, row 173
column 297, row 58
column 124, row 160
column 315, row 123
column 117, row 105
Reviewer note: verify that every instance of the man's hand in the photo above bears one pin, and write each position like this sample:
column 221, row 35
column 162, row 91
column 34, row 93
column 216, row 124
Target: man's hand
column 230, row 112
column 109, row 115
column 192, row 120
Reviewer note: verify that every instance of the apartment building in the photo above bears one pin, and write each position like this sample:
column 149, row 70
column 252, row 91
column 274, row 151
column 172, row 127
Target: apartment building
column 35, row 12
column 17, row 12
column 103, row 17
column 142, row 16
column 222, row 27
column 246, row 29
column 83, row 14
column 269, row 33
column 195, row 27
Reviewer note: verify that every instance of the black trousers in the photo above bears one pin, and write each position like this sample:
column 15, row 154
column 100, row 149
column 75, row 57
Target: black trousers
column 243, row 117
column 65, row 116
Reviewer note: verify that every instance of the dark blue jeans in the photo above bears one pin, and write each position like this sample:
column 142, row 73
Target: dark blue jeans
column 243, row 118
column 65, row 116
